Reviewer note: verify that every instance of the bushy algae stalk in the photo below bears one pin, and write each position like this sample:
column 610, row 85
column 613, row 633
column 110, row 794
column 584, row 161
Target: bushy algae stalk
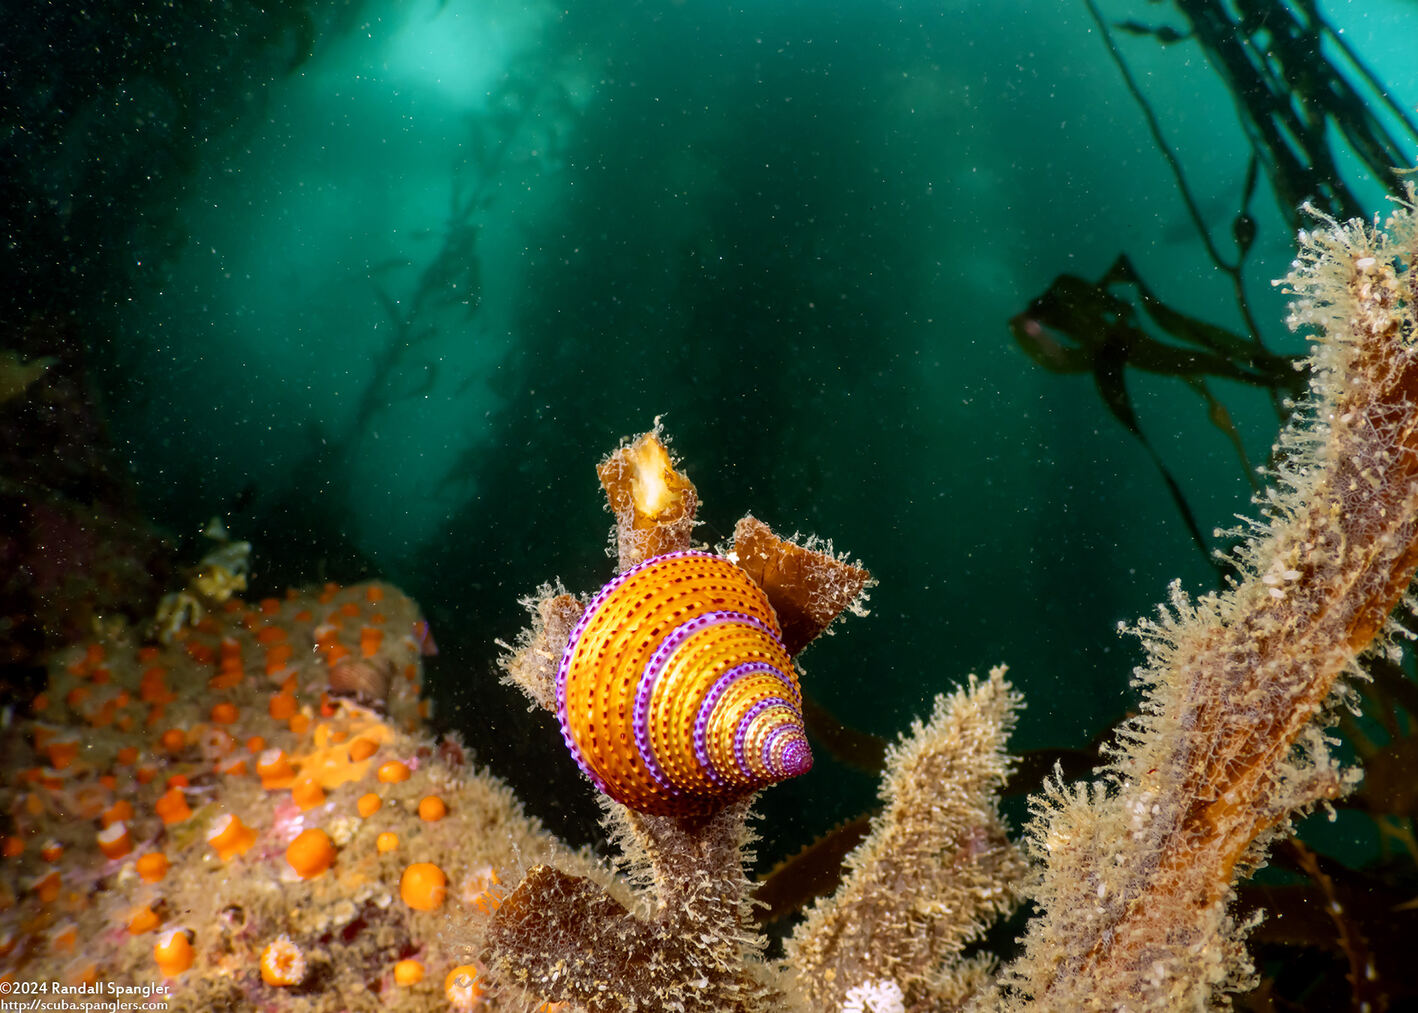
column 936, row 870
column 1139, row 867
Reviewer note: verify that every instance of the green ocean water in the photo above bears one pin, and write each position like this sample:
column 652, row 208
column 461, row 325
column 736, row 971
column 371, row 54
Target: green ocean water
column 380, row 284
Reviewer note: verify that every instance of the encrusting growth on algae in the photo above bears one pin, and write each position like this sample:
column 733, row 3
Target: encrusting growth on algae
column 936, row 869
column 1133, row 874
column 1139, row 867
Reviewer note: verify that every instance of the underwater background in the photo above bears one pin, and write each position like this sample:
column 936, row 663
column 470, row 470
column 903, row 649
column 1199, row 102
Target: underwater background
column 377, row 284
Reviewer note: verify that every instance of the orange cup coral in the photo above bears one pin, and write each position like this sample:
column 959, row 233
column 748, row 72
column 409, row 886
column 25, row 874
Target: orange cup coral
column 307, row 794
column 230, row 837
column 432, row 809
column 311, row 853
column 482, row 890
column 282, row 706
column 173, row 951
column 363, row 749
column 393, row 772
column 120, row 810
column 114, row 840
column 282, row 963
column 47, row 885
column 274, row 769
column 143, row 919
column 172, row 806
column 151, row 867
column 423, row 886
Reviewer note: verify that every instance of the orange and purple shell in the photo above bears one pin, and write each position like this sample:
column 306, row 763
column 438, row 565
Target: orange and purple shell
column 675, row 693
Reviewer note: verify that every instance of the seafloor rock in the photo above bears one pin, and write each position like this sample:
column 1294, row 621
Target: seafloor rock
column 255, row 815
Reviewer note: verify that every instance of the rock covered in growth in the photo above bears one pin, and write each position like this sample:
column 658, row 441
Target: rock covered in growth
column 251, row 796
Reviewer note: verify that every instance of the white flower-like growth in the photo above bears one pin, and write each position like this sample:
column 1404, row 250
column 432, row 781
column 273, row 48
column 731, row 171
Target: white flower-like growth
column 875, row 997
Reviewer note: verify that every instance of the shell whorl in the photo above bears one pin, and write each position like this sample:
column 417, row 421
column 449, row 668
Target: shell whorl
column 675, row 693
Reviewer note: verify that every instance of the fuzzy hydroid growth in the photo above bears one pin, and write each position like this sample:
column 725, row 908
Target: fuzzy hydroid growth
column 935, row 871
column 690, row 947
column 1139, row 866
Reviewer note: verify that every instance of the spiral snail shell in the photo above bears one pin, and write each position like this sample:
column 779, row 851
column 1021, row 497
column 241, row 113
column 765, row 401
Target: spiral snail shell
column 675, row 693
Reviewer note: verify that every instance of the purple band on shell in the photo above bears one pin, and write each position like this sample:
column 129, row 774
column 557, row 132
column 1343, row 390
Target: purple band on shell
column 741, row 734
column 564, row 669
column 655, row 667
column 786, row 759
column 796, row 757
column 706, row 710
